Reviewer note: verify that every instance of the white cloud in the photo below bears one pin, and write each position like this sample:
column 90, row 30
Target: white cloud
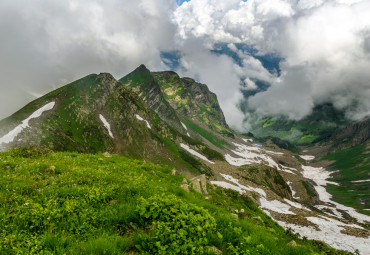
column 49, row 43
column 325, row 46
column 220, row 74
column 250, row 85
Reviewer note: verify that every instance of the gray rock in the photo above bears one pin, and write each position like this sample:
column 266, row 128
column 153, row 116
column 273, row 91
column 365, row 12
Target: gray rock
column 200, row 184
column 214, row 250
column 293, row 243
column 258, row 218
column 235, row 215
column 186, row 187
column 107, row 155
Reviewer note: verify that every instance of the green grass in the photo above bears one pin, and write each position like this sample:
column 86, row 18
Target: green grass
column 307, row 139
column 353, row 165
column 207, row 135
column 70, row 203
column 319, row 125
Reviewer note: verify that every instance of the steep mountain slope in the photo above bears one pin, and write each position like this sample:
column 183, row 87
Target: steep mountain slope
column 178, row 123
column 276, row 179
column 143, row 83
column 354, row 134
column 349, row 153
column 97, row 114
column 192, row 99
column 176, row 98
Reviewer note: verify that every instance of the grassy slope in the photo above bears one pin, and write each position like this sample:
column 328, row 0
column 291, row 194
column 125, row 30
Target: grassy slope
column 301, row 132
column 353, row 165
column 320, row 124
column 204, row 133
column 90, row 204
column 179, row 94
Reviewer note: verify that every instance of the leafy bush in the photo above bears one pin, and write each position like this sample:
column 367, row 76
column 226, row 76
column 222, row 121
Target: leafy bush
column 176, row 226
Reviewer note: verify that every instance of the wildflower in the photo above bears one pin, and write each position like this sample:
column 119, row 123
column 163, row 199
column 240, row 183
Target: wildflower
column 241, row 210
column 5, row 202
column 236, row 211
column 12, row 209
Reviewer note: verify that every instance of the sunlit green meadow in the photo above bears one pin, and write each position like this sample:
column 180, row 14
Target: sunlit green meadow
column 70, row 203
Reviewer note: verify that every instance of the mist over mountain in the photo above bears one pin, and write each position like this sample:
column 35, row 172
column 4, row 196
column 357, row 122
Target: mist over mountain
column 323, row 49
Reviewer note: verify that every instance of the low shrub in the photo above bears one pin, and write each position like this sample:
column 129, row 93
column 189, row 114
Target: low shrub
column 176, row 227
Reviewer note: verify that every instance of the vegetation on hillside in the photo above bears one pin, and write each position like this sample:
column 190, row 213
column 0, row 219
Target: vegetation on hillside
column 318, row 126
column 353, row 165
column 71, row 203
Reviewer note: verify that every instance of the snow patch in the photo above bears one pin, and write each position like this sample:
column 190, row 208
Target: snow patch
column 237, row 186
column 227, row 185
column 276, row 206
column 319, row 175
column 186, row 128
column 359, row 181
column 307, row 157
column 106, row 125
column 9, row 137
column 296, row 205
column 248, row 140
column 236, row 181
column 195, row 153
column 287, row 169
column 249, row 155
column 141, row 119
column 293, row 192
column 274, row 152
column 330, row 232
column 330, row 210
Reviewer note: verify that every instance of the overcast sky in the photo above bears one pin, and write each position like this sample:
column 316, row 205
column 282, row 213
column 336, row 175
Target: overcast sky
column 324, row 46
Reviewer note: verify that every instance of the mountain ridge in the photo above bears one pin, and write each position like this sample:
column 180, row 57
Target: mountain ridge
column 99, row 114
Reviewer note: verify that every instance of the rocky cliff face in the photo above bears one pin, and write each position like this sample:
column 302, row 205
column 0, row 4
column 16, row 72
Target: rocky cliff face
column 192, row 99
column 143, row 83
column 98, row 113
column 174, row 98
column 354, row 134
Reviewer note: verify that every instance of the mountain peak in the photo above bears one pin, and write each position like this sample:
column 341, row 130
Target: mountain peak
column 175, row 99
column 141, row 69
column 106, row 76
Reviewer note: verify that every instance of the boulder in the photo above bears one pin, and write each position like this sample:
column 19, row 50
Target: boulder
column 107, row 155
column 200, row 183
column 214, row 250
column 186, row 187
column 293, row 243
